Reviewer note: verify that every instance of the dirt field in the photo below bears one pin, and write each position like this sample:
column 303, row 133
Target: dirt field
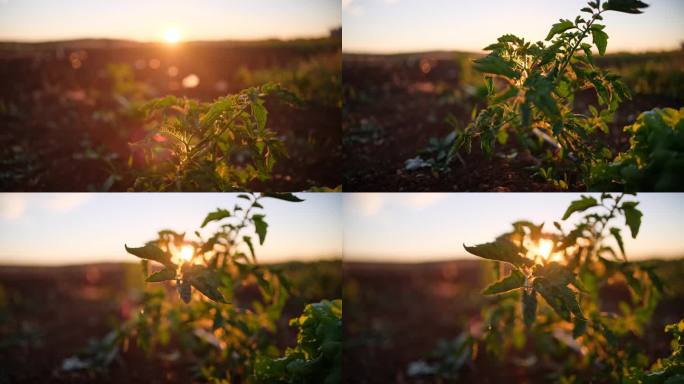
column 394, row 104
column 64, row 104
column 396, row 314
column 49, row 314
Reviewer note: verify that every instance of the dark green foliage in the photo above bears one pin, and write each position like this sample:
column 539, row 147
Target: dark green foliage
column 531, row 90
column 317, row 357
column 514, row 281
column 225, row 341
column 581, row 263
column 219, row 146
column 655, row 159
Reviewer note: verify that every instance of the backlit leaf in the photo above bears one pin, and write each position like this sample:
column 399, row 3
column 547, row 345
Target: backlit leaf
column 218, row 214
column 580, row 205
column 163, row 275
column 632, row 217
column 560, row 27
column 495, row 65
column 260, row 227
column 600, row 39
column 499, row 250
column 514, row 281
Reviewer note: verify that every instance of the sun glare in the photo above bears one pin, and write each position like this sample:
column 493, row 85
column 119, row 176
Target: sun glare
column 545, row 247
column 186, row 253
column 172, row 36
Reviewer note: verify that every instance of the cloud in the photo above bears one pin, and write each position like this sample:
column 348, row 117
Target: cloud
column 367, row 204
column 65, row 202
column 370, row 204
column 13, row 205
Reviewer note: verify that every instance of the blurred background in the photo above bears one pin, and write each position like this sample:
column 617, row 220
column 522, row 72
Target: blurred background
column 408, row 81
column 410, row 288
column 76, row 72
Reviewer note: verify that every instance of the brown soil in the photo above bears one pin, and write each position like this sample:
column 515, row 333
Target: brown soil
column 50, row 107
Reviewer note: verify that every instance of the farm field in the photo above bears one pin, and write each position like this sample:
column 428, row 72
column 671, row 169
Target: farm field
column 399, row 105
column 397, row 314
column 70, row 109
column 48, row 314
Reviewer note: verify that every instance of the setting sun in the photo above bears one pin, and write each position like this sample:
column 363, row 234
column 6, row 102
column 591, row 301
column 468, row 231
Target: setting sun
column 186, row 253
column 172, row 36
column 545, row 247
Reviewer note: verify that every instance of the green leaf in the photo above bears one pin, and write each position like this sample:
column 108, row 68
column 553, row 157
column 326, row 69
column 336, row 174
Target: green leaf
column 496, row 65
column 218, row 214
column 600, row 38
column 583, row 204
column 529, row 301
column 163, row 275
column 632, row 217
column 248, row 241
column 151, row 252
column 204, row 280
column 287, row 196
column 260, row 227
column 514, row 281
column 500, row 250
column 618, row 238
column 561, row 27
column 260, row 114
column 580, row 327
column 185, row 291
column 626, row 6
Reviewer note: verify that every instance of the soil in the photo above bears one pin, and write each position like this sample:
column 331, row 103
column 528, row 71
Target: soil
column 394, row 104
column 57, row 99
column 48, row 314
column 396, row 313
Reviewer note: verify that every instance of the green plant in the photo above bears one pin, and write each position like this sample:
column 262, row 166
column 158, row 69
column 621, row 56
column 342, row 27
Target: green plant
column 219, row 146
column 203, row 318
column 547, row 307
column 531, row 90
column 655, row 159
column 317, row 358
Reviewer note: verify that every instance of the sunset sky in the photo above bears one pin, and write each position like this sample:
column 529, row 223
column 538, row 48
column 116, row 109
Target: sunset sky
column 434, row 226
column 150, row 20
column 64, row 228
column 391, row 26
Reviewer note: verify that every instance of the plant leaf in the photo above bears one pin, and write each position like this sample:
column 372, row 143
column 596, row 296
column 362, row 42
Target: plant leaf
column 513, row 281
column 560, row 27
column 287, row 196
column 496, row 65
column 600, row 38
column 626, row 6
column 618, row 238
column 500, row 250
column 163, row 275
column 580, row 205
column 218, row 214
column 151, row 252
column 632, row 216
column 260, row 227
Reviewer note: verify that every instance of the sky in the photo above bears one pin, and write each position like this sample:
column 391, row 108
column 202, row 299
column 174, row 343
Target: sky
column 393, row 26
column 63, row 228
column 406, row 227
column 149, row 20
